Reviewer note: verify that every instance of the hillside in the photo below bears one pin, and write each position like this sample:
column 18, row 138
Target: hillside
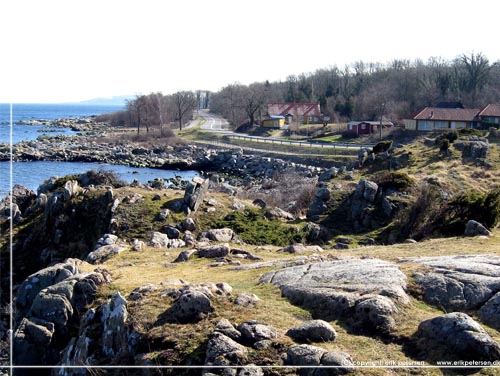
column 219, row 272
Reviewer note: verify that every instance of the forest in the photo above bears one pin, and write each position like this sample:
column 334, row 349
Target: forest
column 359, row 91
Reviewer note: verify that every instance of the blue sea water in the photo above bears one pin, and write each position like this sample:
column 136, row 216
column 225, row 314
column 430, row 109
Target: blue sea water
column 32, row 174
column 30, row 111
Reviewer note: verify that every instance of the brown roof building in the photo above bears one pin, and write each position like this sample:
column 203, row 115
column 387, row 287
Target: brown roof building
column 434, row 118
column 491, row 113
column 303, row 112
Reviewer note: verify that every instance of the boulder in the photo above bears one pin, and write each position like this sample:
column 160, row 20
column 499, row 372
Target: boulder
column 364, row 292
column 474, row 228
column 195, row 193
column 185, row 255
column 297, row 248
column 191, row 306
column 246, row 299
column 218, row 235
column 214, row 251
column 171, row 232
column 278, row 213
column 225, row 327
column 489, row 313
column 307, row 355
column 115, row 333
column 188, row 224
column 458, row 336
column 159, row 240
column 458, row 283
column 71, row 189
column 31, row 342
column 223, row 351
column 254, row 331
column 104, row 253
column 313, row 331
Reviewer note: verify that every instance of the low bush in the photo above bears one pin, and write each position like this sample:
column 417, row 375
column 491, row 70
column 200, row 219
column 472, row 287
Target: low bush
column 100, row 177
column 382, row 146
column 481, row 207
column 393, row 180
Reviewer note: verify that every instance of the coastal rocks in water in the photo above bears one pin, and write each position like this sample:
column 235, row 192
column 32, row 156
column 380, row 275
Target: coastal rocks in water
column 457, row 336
column 364, row 292
column 313, row 331
column 307, row 355
column 195, row 193
column 474, row 228
column 458, row 283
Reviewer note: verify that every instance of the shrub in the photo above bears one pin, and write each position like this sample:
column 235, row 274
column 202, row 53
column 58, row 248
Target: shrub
column 449, row 136
column 393, row 179
column 382, row 146
column 470, row 132
column 101, row 177
column 481, row 207
column 444, row 145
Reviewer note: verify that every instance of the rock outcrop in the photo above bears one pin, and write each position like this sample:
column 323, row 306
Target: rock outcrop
column 458, row 283
column 456, row 336
column 364, row 292
column 307, row 355
column 313, row 331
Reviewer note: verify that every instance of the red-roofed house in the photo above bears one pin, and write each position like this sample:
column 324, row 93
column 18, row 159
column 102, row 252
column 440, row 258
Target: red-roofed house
column 434, row 118
column 305, row 113
column 491, row 113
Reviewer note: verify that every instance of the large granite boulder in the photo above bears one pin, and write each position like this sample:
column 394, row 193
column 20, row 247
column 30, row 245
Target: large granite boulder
column 474, row 228
column 306, row 355
column 456, row 336
column 313, row 331
column 364, row 292
column 458, row 283
column 195, row 193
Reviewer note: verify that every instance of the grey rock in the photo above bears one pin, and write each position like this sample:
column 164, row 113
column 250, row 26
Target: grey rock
column 52, row 307
column 458, row 283
column 31, row 342
column 214, row 251
column 278, row 213
column 71, row 189
column 223, row 351
column 246, row 299
column 163, row 214
column 342, row 362
column 138, row 245
column 159, row 240
column 474, row 228
column 140, row 292
column 114, row 326
column 304, row 355
column 459, row 336
column 251, row 370
column 225, row 327
column 195, row 193
column 333, row 290
column 307, row 355
column 489, row 313
column 171, row 232
column 185, row 255
column 253, row 331
column 104, row 253
column 218, row 235
column 297, row 248
column 44, row 278
column 313, row 331
column 188, row 224
column 191, row 306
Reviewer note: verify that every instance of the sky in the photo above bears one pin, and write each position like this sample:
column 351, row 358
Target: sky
column 72, row 50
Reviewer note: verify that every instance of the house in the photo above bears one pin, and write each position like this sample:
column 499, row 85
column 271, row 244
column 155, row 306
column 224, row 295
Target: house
column 303, row 113
column 367, row 127
column 490, row 114
column 435, row 118
column 274, row 122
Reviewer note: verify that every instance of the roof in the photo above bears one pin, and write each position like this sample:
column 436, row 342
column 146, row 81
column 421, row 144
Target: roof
column 453, row 114
column 491, row 110
column 295, row 109
column 274, row 117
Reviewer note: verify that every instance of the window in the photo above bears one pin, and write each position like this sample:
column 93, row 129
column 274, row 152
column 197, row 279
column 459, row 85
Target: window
column 439, row 124
column 425, row 125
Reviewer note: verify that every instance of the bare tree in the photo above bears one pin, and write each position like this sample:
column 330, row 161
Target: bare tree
column 252, row 98
column 477, row 69
column 184, row 103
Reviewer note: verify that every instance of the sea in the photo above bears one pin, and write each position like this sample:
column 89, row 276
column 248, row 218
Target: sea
column 32, row 174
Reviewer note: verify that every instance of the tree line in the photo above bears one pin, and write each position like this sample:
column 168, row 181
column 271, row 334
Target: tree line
column 158, row 111
column 369, row 91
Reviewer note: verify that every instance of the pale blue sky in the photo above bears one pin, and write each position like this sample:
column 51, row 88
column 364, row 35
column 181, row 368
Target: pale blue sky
column 60, row 50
